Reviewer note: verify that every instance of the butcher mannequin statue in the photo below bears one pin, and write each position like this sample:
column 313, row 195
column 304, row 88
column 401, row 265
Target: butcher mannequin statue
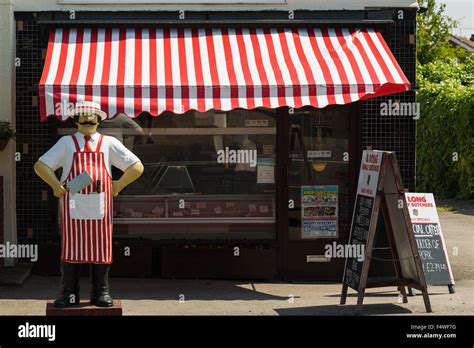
column 86, row 231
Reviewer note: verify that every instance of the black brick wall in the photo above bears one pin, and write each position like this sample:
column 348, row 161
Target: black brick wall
column 36, row 218
column 395, row 133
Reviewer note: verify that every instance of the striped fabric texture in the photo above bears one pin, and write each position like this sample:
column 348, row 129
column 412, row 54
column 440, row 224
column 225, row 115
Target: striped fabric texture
column 177, row 69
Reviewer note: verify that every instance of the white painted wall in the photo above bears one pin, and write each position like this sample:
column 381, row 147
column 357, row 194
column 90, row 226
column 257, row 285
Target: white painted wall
column 157, row 5
column 7, row 112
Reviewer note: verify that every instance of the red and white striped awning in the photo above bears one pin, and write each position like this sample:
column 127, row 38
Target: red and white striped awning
column 135, row 70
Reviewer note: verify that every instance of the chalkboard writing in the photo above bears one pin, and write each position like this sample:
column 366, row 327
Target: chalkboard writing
column 430, row 247
column 379, row 192
column 359, row 233
column 429, row 238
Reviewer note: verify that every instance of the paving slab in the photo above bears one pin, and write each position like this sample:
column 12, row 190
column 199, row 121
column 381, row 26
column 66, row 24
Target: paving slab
column 225, row 297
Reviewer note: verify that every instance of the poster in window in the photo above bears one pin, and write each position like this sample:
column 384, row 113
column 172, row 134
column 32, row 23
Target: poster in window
column 319, row 212
column 265, row 170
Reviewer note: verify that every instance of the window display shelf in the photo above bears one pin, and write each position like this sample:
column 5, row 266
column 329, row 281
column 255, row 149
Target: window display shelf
column 183, row 131
column 196, row 209
column 242, row 220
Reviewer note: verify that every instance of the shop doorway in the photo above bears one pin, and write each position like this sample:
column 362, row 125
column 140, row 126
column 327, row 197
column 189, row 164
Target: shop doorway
column 322, row 145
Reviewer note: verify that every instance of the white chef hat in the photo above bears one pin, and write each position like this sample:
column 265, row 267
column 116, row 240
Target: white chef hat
column 88, row 108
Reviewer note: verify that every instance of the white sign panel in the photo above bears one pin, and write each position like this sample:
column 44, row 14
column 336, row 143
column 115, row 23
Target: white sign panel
column 369, row 173
column 429, row 238
column 422, row 208
column 319, row 154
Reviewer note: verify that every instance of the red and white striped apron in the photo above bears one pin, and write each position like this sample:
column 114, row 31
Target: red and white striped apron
column 88, row 240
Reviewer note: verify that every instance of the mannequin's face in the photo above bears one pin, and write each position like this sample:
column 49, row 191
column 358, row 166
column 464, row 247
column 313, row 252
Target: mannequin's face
column 88, row 129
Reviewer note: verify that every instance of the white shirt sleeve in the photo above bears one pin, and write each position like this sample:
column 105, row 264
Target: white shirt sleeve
column 120, row 156
column 56, row 155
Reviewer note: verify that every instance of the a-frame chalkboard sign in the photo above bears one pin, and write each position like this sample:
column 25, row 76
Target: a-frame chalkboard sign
column 429, row 239
column 380, row 190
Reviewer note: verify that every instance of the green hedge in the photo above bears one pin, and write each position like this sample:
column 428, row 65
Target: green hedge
column 446, row 127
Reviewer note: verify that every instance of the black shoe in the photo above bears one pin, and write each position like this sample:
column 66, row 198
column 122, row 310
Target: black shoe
column 69, row 285
column 100, row 296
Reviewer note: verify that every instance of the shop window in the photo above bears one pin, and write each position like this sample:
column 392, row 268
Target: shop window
column 207, row 175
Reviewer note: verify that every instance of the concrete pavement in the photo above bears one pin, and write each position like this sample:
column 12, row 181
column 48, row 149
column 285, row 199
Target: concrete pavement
column 211, row 297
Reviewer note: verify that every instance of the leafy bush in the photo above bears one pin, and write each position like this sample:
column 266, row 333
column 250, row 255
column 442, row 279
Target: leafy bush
column 446, row 128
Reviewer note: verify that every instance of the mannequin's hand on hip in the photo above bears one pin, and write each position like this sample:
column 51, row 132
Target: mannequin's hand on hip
column 59, row 191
